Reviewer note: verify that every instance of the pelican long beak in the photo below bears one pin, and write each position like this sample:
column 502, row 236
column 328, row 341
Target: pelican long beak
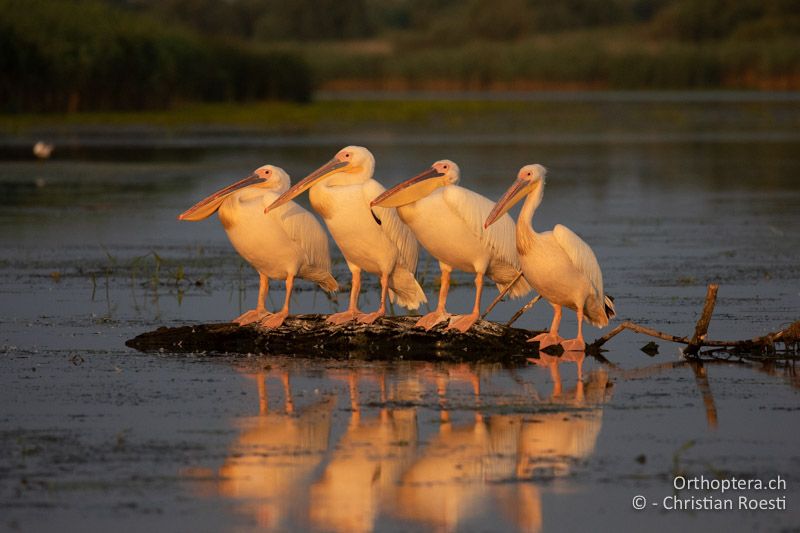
column 514, row 194
column 208, row 206
column 410, row 190
column 306, row 183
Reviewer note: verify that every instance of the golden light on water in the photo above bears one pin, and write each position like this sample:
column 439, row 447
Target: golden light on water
column 290, row 465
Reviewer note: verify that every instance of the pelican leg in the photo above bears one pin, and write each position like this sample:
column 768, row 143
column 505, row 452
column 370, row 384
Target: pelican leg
column 386, row 413
column 254, row 315
column 352, row 311
column 441, row 391
column 275, row 320
column 288, row 401
column 577, row 344
column 476, row 389
column 369, row 318
column 551, row 337
column 463, row 322
column 555, row 375
column 440, row 314
column 352, row 382
column 263, row 397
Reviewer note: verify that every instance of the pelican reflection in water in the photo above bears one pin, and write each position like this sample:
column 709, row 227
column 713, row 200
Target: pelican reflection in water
column 385, row 456
column 369, row 459
column 454, row 482
column 274, row 458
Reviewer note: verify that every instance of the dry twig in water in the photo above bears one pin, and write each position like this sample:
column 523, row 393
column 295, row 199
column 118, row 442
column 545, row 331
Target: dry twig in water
column 787, row 335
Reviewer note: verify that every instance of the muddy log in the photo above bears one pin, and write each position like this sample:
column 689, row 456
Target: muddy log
column 390, row 338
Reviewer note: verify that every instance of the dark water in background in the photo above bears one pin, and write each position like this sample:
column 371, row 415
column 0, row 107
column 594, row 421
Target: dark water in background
column 671, row 193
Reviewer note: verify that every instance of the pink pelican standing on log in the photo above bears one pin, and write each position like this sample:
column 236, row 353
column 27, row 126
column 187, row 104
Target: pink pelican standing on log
column 559, row 265
column 377, row 242
column 447, row 219
column 289, row 243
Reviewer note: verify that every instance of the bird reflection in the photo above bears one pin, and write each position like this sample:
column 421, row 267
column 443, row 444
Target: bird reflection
column 289, row 467
column 271, row 463
column 455, row 480
column 370, row 457
column 448, row 482
column 552, row 441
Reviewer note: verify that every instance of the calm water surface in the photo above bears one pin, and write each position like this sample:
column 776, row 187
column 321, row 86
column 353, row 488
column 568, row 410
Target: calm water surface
column 671, row 193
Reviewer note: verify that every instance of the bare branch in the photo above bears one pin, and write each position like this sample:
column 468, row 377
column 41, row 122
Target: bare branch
column 524, row 309
column 701, row 329
column 501, row 295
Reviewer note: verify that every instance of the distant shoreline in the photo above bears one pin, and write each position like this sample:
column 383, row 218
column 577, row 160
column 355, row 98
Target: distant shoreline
column 581, row 94
column 589, row 117
column 445, row 85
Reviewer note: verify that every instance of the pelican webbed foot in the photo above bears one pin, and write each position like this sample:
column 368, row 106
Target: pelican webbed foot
column 274, row 320
column 369, row 318
column 431, row 319
column 462, row 323
column 253, row 315
column 546, row 339
column 343, row 318
column 574, row 345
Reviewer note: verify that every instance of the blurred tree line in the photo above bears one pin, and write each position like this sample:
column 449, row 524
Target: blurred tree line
column 58, row 55
column 462, row 20
column 506, row 20
column 266, row 20
column 92, row 55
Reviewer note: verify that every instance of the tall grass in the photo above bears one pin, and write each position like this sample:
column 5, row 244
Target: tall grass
column 583, row 60
column 89, row 55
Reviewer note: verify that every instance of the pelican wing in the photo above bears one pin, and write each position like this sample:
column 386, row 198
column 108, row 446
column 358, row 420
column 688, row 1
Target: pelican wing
column 304, row 229
column 473, row 209
column 395, row 229
column 580, row 254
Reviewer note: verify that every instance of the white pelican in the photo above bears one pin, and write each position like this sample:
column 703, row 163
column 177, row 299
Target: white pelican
column 558, row 264
column 288, row 243
column 448, row 221
column 380, row 243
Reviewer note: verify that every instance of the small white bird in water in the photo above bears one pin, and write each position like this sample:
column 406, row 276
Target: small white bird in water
column 448, row 221
column 341, row 191
column 286, row 244
column 42, row 150
column 558, row 264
